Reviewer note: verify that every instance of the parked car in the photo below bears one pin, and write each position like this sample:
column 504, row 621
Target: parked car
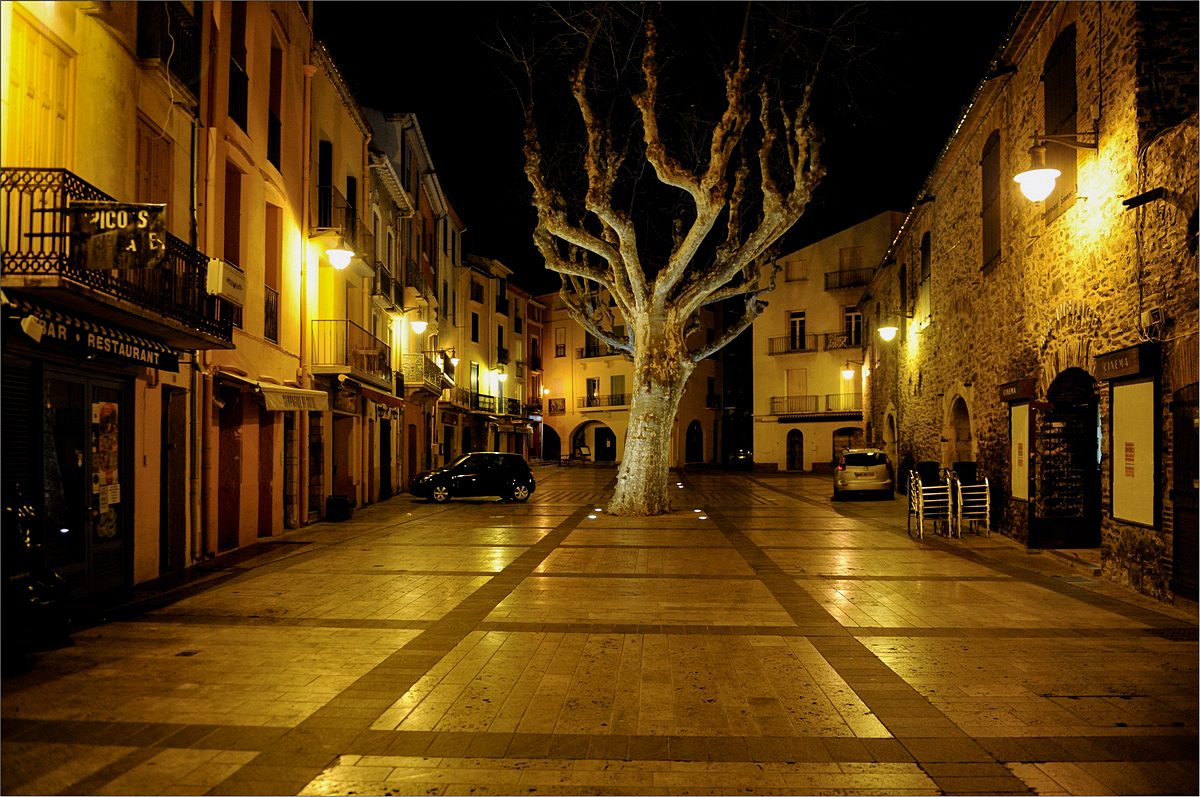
column 741, row 460
column 863, row 470
column 478, row 474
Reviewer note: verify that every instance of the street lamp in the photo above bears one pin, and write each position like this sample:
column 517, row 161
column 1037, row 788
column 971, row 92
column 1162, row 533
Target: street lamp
column 339, row 258
column 1037, row 182
column 848, row 372
column 889, row 328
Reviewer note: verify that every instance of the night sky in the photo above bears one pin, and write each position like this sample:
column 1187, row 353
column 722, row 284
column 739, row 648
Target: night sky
column 885, row 125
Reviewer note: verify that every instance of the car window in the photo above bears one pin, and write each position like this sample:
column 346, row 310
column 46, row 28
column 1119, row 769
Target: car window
column 865, row 459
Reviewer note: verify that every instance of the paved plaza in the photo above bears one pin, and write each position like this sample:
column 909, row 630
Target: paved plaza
column 758, row 640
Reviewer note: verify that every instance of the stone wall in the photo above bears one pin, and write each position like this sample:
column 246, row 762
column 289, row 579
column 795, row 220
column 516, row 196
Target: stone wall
column 1065, row 289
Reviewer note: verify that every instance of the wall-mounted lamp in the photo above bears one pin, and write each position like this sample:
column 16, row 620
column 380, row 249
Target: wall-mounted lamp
column 889, row 328
column 1037, row 182
column 339, row 258
column 848, row 372
column 501, row 377
column 451, row 355
column 418, row 326
column 545, row 391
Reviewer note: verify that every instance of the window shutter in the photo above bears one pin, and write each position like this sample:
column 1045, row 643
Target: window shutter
column 1061, row 118
column 990, row 213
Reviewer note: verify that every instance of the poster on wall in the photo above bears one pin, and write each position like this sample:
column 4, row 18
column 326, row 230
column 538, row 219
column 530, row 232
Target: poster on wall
column 1019, row 455
column 1133, row 461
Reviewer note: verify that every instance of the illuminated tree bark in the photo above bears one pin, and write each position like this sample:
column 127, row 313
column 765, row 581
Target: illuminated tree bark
column 749, row 185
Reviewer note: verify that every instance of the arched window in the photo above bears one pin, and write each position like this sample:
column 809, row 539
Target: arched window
column 990, row 210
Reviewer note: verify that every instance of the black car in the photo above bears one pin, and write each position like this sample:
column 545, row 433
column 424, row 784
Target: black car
column 481, row 473
column 742, row 459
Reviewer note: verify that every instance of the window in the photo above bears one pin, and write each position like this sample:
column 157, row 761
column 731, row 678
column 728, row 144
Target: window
column 924, row 310
column 593, row 388
column 905, row 310
column 990, row 210
column 795, row 270
column 453, row 306
column 445, row 297
column 796, row 338
column 272, row 271
column 153, row 167
column 474, row 327
column 239, row 81
column 500, row 336
column 853, row 326
column 849, row 257
column 1061, row 118
column 39, row 97
column 274, row 112
column 560, row 342
column 233, row 214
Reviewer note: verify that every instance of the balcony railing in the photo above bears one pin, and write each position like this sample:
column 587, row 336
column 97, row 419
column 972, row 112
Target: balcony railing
column 36, row 243
column 383, row 284
column 415, row 278
column 501, row 355
column 842, row 340
column 239, row 92
column 811, row 405
column 512, row 406
column 501, row 306
column 335, row 213
column 421, row 372
column 791, row 344
column 556, row 406
column 481, row 402
column 533, row 409
column 274, row 139
column 458, row 396
column 613, row 400
column 595, row 351
column 271, row 314
column 849, row 278
column 167, row 32
column 338, row 343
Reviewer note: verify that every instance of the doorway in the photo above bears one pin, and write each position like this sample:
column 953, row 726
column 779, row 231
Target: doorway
column 694, row 447
column 606, row 445
column 1185, row 493
column 412, row 451
column 795, row 450
column 959, row 432
column 551, row 443
column 385, row 459
column 229, row 471
column 172, row 535
column 1065, row 510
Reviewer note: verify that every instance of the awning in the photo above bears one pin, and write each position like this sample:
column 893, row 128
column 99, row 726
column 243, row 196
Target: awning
column 282, row 398
column 382, row 398
column 87, row 338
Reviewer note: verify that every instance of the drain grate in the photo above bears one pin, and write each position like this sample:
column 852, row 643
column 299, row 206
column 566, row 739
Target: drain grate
column 1188, row 634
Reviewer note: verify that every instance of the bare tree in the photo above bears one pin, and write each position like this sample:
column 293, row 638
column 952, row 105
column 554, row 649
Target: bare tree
column 728, row 201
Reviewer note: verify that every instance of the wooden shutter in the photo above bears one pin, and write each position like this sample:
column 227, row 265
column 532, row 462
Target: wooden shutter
column 1061, row 119
column 990, row 212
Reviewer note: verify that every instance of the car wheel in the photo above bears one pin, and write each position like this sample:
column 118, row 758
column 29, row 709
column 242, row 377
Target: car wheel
column 440, row 494
column 520, row 493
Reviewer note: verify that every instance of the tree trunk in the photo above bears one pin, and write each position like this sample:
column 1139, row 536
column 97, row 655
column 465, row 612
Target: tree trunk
column 659, row 377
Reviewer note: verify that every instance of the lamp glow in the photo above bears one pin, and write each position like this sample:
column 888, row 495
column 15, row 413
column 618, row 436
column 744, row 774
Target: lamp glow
column 545, row 391
column 1037, row 182
column 418, row 326
column 339, row 258
column 454, row 361
column 847, row 372
column 503, row 377
column 888, row 332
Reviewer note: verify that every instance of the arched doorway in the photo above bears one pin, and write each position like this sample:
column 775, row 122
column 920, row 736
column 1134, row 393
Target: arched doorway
column 889, row 436
column 606, row 445
column 1065, row 511
column 551, row 443
column 694, row 449
column 795, row 450
column 959, row 432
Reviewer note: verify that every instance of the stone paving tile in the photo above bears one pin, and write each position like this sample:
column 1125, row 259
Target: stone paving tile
column 483, row 646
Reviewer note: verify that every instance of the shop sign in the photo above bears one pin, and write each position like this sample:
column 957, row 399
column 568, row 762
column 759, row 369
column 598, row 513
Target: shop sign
column 88, row 339
column 1134, row 361
column 112, row 235
column 1017, row 391
column 345, row 401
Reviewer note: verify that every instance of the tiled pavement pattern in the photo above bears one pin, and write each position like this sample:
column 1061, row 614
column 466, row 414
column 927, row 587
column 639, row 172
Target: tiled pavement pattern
column 771, row 643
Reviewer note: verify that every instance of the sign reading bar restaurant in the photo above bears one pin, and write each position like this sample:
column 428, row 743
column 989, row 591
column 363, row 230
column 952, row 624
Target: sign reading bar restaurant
column 112, row 235
column 86, row 338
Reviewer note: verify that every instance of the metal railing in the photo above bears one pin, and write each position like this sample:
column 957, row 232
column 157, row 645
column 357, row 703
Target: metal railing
column 848, row 278
column 842, row 340
column 512, row 406
column 533, row 409
column 383, row 283
column 556, row 406
column 501, row 355
column 337, row 342
column 420, row 371
column 274, row 139
column 791, row 344
column 271, row 314
column 482, row 402
column 35, row 229
column 458, row 396
column 800, row 405
column 169, row 33
column 239, row 93
column 612, row 400
column 335, row 213
column 588, row 352
column 415, row 278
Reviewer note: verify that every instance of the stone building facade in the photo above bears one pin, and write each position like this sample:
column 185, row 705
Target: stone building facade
column 1054, row 343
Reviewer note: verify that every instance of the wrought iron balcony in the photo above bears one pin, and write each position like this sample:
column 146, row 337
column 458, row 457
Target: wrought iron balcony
column 271, row 314
column 334, row 214
column 613, row 400
column 168, row 302
column 481, row 402
column 501, row 355
column 421, row 373
column 842, row 340
column 512, row 406
column 343, row 347
column 534, row 408
column 458, row 396
column 168, row 33
column 791, row 344
column 816, row 405
column 848, row 278
column 595, row 351
column 382, row 289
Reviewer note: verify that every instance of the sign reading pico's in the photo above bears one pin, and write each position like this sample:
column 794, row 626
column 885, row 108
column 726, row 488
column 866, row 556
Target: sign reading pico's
column 112, row 235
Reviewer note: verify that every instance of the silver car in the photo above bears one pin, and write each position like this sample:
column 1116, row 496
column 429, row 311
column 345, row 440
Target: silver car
column 863, row 470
